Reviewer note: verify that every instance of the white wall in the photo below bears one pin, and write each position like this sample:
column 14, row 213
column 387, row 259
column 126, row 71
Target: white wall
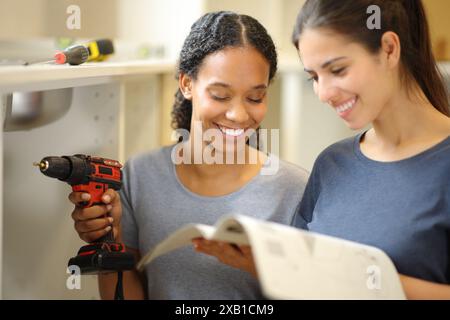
column 22, row 19
column 157, row 22
column 31, row 19
column 277, row 16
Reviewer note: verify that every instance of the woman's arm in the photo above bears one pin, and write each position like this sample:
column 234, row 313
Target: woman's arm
column 417, row 289
column 134, row 283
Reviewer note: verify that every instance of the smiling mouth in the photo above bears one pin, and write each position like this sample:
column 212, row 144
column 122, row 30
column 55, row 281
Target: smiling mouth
column 230, row 131
column 346, row 106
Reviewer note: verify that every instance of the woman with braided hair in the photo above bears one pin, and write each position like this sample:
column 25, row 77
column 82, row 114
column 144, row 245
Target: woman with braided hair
column 225, row 68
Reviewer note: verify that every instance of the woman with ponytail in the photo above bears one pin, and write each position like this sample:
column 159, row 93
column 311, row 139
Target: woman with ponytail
column 388, row 186
column 390, row 183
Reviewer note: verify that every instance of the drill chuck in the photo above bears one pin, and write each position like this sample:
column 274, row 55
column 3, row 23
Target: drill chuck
column 71, row 169
column 55, row 167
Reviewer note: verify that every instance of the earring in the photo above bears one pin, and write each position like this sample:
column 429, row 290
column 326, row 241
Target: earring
column 187, row 94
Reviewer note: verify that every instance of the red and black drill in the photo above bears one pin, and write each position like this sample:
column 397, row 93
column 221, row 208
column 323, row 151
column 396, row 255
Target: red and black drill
column 93, row 175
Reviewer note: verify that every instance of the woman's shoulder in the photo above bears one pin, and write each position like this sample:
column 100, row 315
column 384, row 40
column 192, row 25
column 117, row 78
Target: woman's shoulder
column 344, row 147
column 291, row 169
column 154, row 159
column 287, row 172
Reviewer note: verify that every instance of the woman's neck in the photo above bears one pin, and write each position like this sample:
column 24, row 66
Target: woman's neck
column 219, row 179
column 409, row 118
column 408, row 125
column 230, row 166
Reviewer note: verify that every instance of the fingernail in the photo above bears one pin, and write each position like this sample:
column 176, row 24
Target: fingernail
column 108, row 207
column 106, row 198
column 85, row 196
column 108, row 228
column 110, row 219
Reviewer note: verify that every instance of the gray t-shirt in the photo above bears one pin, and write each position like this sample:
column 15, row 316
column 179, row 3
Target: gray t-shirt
column 401, row 207
column 155, row 204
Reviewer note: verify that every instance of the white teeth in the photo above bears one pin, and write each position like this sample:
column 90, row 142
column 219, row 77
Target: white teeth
column 232, row 132
column 346, row 106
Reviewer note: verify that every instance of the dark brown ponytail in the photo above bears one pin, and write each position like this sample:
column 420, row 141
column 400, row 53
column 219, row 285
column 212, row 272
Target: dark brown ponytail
column 406, row 18
column 419, row 59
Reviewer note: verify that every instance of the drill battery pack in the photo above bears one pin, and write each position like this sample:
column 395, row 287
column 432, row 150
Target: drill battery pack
column 103, row 257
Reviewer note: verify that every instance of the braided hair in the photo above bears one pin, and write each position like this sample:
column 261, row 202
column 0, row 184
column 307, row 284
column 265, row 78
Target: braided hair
column 213, row 32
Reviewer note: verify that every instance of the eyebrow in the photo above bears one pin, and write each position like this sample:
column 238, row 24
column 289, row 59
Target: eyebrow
column 326, row 64
column 227, row 86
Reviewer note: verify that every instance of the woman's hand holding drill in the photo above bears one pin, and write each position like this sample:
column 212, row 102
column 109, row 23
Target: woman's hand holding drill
column 95, row 222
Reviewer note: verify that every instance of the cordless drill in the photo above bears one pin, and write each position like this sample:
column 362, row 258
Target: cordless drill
column 92, row 175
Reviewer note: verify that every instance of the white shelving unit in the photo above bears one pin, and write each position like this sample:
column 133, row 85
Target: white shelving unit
column 49, row 76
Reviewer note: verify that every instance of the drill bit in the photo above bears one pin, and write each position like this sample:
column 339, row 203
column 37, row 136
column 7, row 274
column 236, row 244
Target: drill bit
column 43, row 165
column 36, row 164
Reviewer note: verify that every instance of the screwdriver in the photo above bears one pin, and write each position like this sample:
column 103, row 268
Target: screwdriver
column 73, row 55
column 96, row 50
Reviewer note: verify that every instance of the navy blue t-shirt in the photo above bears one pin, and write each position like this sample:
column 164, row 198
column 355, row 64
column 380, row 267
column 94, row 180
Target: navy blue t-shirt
column 401, row 207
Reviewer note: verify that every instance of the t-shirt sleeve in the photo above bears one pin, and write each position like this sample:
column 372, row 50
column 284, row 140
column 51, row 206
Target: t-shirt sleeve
column 304, row 212
column 128, row 221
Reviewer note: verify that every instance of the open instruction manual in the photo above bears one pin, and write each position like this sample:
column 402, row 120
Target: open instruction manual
column 297, row 264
